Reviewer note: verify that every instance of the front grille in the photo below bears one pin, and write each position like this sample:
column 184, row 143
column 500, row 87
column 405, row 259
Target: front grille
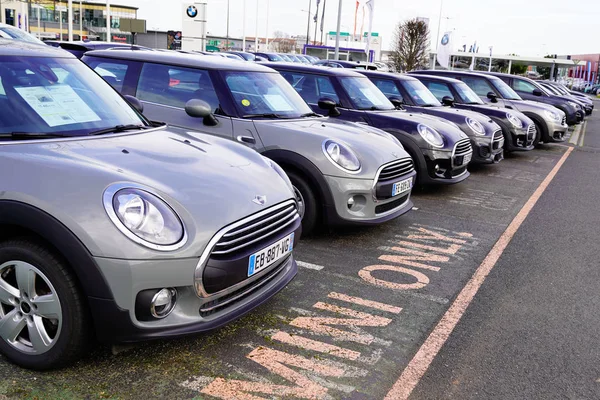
column 256, row 229
column 531, row 131
column 564, row 120
column 391, row 205
column 396, row 169
column 462, row 148
column 234, row 297
column 498, row 139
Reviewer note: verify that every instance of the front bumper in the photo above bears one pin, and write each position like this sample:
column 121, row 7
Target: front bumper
column 556, row 130
column 486, row 150
column 228, row 292
column 371, row 206
column 520, row 139
column 442, row 167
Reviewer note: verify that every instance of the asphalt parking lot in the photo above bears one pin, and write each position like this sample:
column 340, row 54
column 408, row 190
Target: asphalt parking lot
column 363, row 303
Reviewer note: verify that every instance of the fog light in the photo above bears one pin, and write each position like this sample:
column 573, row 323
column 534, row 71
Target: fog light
column 163, row 302
column 437, row 168
column 350, row 202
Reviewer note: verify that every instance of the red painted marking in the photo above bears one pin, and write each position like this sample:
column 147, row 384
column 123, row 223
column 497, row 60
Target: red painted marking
column 430, row 348
column 422, row 279
column 323, row 324
column 366, row 303
column 314, row 345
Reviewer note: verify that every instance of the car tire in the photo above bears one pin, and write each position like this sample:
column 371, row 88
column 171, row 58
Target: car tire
column 311, row 211
column 56, row 309
column 537, row 143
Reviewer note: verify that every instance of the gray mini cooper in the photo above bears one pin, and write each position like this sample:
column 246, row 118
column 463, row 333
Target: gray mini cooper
column 342, row 172
column 115, row 226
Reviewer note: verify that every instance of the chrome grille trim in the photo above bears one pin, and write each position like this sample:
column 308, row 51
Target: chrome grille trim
column 564, row 120
column 462, row 148
column 238, row 226
column 498, row 136
column 247, row 228
column 531, row 131
column 396, row 169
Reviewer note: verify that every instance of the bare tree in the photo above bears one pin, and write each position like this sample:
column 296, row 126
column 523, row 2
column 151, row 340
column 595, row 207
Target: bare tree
column 282, row 43
column 410, row 49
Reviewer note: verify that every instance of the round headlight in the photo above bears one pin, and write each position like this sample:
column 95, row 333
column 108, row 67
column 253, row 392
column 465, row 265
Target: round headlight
column 514, row 120
column 430, row 135
column 341, row 156
column 145, row 218
column 553, row 115
column 475, row 126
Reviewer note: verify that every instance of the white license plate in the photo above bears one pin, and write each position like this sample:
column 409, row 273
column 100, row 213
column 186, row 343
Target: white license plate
column 270, row 255
column 401, row 187
column 467, row 159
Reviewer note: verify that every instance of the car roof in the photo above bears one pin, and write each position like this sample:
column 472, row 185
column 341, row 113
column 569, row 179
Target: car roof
column 439, row 78
column 400, row 77
column 311, row 68
column 455, row 72
column 10, row 47
column 180, row 59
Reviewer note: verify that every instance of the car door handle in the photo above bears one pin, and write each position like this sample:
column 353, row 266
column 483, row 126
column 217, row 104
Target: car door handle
column 246, row 139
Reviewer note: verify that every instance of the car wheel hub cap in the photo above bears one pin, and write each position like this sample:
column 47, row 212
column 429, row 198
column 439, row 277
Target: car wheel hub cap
column 300, row 200
column 30, row 311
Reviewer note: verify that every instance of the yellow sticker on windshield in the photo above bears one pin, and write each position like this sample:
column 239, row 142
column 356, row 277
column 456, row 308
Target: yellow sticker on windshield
column 245, row 103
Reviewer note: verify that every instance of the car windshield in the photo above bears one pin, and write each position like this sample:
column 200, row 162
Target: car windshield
column 10, row 32
column 505, row 90
column 264, row 93
column 274, row 57
column 419, row 94
column 467, row 94
column 58, row 96
column 364, row 95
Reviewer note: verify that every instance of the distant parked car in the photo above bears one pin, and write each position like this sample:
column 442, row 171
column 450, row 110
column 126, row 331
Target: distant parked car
column 550, row 122
column 245, row 55
column 520, row 133
column 586, row 103
column 531, row 90
column 343, row 173
column 79, row 48
column 271, row 56
column 408, row 93
column 13, row 33
column 440, row 150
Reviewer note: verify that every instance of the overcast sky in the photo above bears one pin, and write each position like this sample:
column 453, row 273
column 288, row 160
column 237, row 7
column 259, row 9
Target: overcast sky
column 524, row 27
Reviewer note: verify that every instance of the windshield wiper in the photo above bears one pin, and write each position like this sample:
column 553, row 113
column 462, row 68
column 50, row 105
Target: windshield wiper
column 118, row 129
column 311, row 114
column 31, row 135
column 265, row 115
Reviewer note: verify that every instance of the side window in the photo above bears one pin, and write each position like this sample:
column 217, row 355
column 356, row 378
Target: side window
column 2, row 91
column 311, row 87
column 113, row 73
column 175, row 86
column 439, row 90
column 523, row 86
column 388, row 88
column 478, row 85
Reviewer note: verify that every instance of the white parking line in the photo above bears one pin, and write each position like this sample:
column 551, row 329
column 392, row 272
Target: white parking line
column 309, row 265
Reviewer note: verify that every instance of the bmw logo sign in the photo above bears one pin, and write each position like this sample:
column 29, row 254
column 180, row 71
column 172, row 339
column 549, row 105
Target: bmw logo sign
column 192, row 11
column 445, row 39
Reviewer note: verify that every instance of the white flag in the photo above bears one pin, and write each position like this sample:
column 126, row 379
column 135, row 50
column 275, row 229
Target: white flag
column 445, row 50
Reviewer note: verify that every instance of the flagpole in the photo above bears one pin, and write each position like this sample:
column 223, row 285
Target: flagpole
column 256, row 33
column 244, row 27
column 70, row 16
column 337, row 35
column 308, row 23
column 490, row 66
column 323, row 20
column 371, row 4
column 439, row 27
column 316, row 24
column 267, row 38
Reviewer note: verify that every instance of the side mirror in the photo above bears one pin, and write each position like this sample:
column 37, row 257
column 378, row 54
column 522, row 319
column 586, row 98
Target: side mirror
column 329, row 105
column 396, row 101
column 537, row 92
column 135, row 103
column 447, row 101
column 200, row 109
column 492, row 96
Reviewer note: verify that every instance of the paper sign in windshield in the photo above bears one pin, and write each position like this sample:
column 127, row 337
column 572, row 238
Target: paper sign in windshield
column 57, row 105
column 369, row 95
column 278, row 102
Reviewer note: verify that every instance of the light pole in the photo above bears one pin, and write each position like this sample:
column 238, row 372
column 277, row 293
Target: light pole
column 439, row 27
column 80, row 21
column 155, row 37
column 108, row 21
column 244, row 27
column 337, row 34
column 70, row 16
column 323, row 20
column 256, row 33
column 316, row 20
column 227, row 40
column 267, row 36
column 308, row 22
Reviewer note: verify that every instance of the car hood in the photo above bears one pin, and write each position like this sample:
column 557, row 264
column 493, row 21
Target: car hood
column 459, row 116
column 209, row 182
column 530, row 104
column 497, row 112
column 449, row 130
column 306, row 136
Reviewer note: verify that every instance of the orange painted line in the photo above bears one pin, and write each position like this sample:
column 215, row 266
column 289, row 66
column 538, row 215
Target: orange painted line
column 367, row 303
column 417, row 367
column 314, row 345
